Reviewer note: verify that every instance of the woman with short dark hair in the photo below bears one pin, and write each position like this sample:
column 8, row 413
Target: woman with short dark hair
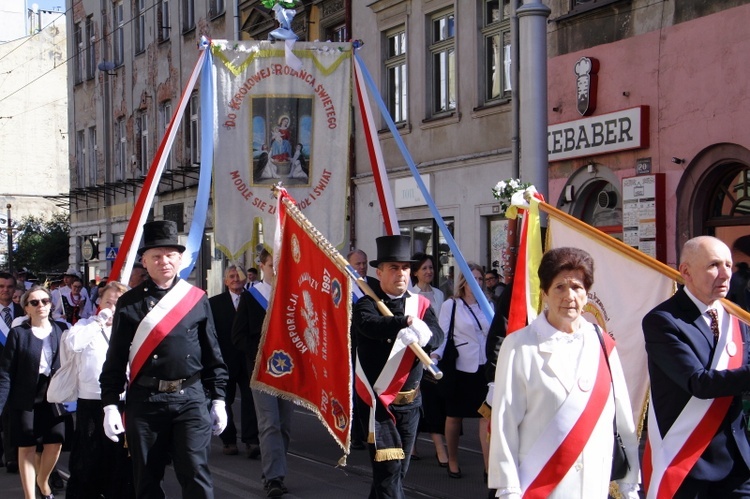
column 556, row 394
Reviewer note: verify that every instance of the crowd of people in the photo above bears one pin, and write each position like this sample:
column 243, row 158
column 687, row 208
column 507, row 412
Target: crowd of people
column 552, row 396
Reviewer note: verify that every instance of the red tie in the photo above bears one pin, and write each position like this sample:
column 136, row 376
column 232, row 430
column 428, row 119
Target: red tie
column 714, row 315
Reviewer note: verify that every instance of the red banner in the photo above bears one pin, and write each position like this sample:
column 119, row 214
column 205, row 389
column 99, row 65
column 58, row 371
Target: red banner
column 304, row 353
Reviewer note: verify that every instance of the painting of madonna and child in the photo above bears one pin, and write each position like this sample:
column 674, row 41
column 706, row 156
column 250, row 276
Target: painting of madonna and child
column 281, row 137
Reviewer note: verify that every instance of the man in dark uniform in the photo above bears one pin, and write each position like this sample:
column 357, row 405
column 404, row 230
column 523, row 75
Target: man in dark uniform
column 163, row 330
column 382, row 354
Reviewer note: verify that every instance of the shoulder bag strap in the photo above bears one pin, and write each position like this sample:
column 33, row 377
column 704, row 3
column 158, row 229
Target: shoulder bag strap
column 606, row 357
column 453, row 320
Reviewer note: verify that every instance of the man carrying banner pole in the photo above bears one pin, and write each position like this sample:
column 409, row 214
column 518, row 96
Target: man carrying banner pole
column 387, row 372
column 164, row 331
column 698, row 364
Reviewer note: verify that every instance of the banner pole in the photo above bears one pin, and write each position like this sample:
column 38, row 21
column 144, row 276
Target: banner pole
column 344, row 266
column 634, row 254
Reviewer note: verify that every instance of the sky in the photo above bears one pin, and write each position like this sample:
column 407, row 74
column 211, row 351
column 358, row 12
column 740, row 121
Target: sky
column 48, row 4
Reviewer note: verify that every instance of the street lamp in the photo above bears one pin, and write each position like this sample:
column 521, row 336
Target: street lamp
column 10, row 241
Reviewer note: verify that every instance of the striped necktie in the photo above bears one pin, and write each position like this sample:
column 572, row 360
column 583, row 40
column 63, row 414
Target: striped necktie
column 6, row 316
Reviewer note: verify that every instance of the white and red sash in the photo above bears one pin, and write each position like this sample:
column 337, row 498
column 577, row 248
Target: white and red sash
column 556, row 449
column 395, row 371
column 160, row 321
column 667, row 461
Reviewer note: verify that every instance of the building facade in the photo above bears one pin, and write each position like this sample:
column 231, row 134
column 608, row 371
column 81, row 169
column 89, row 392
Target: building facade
column 33, row 117
column 645, row 116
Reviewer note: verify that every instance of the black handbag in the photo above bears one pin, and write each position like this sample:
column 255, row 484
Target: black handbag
column 620, row 465
column 447, row 362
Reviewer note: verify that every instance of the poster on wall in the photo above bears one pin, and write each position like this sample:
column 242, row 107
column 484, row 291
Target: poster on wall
column 643, row 217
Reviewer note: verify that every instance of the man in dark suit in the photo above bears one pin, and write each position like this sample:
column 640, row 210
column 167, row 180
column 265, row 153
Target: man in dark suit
column 8, row 312
column 698, row 364
column 224, row 308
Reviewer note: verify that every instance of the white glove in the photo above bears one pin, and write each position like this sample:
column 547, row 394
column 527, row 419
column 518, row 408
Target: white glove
column 628, row 490
column 218, row 416
column 422, row 330
column 112, row 422
column 104, row 317
column 490, row 393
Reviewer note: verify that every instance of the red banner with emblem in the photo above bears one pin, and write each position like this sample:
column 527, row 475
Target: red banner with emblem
column 304, row 353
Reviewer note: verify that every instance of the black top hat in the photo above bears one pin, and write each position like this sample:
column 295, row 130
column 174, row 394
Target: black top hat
column 393, row 249
column 160, row 234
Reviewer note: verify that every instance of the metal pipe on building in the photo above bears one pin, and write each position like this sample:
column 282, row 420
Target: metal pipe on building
column 532, row 25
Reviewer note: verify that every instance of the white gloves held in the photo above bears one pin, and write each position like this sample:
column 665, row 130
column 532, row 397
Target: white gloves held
column 418, row 332
column 490, row 393
column 112, row 422
column 218, row 416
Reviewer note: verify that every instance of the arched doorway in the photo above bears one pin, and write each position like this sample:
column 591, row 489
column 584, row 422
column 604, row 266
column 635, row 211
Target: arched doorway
column 713, row 197
column 593, row 195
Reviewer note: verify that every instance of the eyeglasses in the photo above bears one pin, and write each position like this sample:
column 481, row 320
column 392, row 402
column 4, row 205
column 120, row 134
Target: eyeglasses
column 35, row 303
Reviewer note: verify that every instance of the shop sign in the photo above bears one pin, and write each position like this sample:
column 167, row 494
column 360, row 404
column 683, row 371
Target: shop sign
column 607, row 133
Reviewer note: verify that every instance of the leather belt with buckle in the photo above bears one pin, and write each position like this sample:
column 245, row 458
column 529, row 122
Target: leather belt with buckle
column 404, row 398
column 167, row 385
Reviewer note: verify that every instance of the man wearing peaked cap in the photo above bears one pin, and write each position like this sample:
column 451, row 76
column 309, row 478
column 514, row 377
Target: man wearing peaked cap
column 390, row 417
column 174, row 361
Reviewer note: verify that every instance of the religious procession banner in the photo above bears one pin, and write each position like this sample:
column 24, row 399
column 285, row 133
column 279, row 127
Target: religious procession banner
column 624, row 291
column 304, row 353
column 280, row 124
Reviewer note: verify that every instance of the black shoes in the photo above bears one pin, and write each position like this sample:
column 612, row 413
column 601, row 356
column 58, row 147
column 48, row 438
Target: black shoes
column 276, row 488
column 11, row 467
column 454, row 474
column 252, row 450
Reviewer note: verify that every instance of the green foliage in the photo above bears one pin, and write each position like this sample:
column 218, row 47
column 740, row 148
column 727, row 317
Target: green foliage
column 42, row 244
column 287, row 4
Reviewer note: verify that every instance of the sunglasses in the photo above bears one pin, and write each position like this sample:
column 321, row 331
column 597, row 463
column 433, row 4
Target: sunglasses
column 35, row 303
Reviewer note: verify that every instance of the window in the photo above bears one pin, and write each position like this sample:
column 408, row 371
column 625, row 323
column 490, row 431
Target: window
column 165, row 118
column 118, row 37
column 140, row 26
column 120, row 149
column 193, row 138
column 80, row 157
column 496, row 37
column 188, row 15
column 141, row 130
column 336, row 33
column 90, row 52
column 164, row 26
column 79, row 55
column 215, row 8
column 91, row 156
column 443, row 62
column 395, row 67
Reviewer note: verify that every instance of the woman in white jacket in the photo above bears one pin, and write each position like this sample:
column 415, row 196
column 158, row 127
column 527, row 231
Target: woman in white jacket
column 470, row 327
column 98, row 466
column 554, row 404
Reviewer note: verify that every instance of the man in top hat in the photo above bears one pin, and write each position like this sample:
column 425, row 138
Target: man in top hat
column 389, row 409
column 164, row 332
column 62, row 293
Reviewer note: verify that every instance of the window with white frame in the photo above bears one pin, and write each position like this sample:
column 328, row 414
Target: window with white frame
column 193, row 137
column 443, row 61
column 141, row 130
column 90, row 42
column 118, row 37
column 120, row 149
column 496, row 44
column 91, row 156
column 80, row 157
column 79, row 52
column 164, row 20
column 188, row 15
column 165, row 118
column 395, row 74
column 215, row 8
column 140, row 26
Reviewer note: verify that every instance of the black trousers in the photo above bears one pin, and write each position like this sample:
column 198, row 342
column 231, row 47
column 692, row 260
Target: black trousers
column 388, row 476
column 98, row 466
column 248, row 420
column 736, row 484
column 157, row 431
